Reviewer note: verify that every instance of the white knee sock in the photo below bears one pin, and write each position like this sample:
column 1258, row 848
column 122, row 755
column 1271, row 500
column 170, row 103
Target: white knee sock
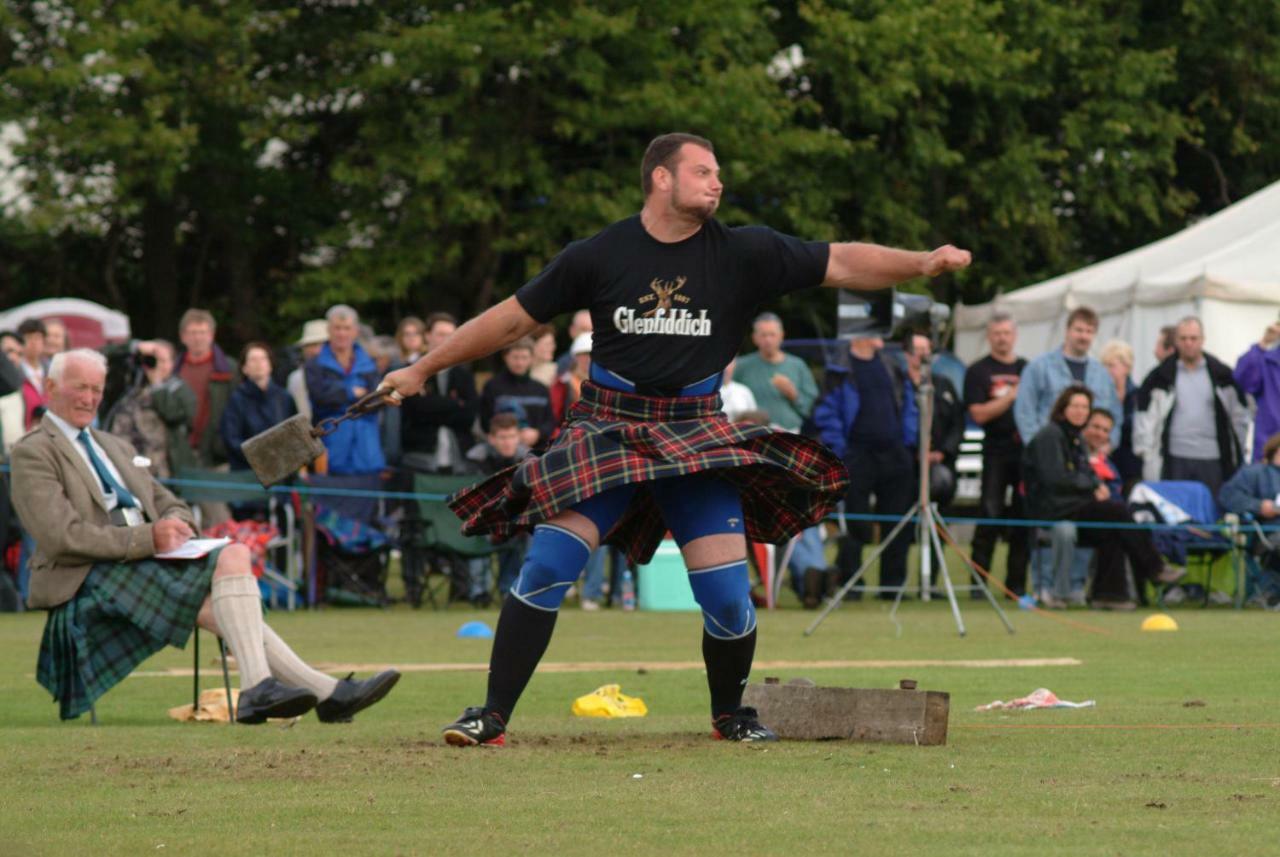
column 237, row 608
column 293, row 670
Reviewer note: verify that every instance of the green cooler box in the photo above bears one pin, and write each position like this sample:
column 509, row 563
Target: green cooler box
column 664, row 582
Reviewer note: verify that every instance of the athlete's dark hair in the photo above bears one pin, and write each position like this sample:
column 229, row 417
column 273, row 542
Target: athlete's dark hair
column 663, row 152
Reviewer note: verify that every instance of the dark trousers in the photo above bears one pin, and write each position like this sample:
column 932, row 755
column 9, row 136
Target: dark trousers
column 887, row 475
column 1207, row 471
column 1113, row 545
column 999, row 474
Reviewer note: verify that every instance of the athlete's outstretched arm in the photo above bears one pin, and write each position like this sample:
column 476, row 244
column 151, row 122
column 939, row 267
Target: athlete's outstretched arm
column 870, row 266
column 492, row 330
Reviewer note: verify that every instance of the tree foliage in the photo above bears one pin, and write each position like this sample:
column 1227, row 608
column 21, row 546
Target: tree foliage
column 266, row 159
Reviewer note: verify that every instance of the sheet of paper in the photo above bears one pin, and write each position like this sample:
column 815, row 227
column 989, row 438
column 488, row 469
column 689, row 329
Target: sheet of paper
column 194, row 549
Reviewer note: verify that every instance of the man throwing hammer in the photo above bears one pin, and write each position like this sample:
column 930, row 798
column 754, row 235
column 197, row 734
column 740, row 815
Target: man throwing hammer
column 672, row 293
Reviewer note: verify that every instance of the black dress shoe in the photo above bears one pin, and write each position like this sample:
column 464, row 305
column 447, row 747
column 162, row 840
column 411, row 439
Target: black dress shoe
column 270, row 698
column 352, row 696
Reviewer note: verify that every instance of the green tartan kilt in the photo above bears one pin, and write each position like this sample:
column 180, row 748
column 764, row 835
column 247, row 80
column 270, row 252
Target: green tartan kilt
column 122, row 614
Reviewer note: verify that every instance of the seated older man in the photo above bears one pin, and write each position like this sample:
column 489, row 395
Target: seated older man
column 99, row 521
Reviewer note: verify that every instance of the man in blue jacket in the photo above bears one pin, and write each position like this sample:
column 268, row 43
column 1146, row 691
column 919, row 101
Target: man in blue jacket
column 341, row 373
column 1255, row 488
column 1049, row 374
column 861, row 419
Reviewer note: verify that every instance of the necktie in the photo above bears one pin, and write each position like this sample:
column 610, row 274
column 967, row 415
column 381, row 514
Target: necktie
column 123, row 497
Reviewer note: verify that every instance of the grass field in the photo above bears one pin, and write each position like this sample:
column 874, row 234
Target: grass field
column 1179, row 757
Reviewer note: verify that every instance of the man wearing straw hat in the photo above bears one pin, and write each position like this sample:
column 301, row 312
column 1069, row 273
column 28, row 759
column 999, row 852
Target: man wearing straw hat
column 315, row 334
column 672, row 293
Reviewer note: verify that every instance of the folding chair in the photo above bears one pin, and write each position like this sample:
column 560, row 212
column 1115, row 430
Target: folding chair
column 440, row 535
column 202, row 485
column 195, row 674
column 195, row 678
column 1185, row 502
column 354, row 541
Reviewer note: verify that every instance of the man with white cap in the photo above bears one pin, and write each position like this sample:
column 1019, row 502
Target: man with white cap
column 568, row 385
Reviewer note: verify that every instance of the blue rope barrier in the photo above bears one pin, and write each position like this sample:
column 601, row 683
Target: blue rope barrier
column 301, row 488
column 321, row 491
column 1024, row 522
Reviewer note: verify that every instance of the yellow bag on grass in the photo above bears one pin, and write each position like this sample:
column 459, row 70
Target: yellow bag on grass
column 609, row 701
column 213, row 707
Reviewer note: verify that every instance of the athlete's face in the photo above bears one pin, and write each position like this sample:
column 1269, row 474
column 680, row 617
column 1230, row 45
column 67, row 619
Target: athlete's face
column 695, row 186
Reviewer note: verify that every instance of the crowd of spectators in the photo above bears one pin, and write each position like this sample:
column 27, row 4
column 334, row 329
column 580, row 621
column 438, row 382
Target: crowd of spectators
column 1066, row 434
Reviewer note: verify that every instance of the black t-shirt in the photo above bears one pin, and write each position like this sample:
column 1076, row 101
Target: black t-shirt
column 667, row 315
column 990, row 379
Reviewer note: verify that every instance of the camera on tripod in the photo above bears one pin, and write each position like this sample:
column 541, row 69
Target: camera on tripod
column 889, row 314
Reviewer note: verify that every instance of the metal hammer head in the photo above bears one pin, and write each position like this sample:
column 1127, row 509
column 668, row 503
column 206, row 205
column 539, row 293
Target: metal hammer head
column 280, row 451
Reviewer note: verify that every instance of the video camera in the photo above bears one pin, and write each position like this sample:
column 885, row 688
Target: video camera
column 889, row 314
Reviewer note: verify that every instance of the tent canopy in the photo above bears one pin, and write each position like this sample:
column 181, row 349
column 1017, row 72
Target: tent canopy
column 1224, row 269
column 89, row 325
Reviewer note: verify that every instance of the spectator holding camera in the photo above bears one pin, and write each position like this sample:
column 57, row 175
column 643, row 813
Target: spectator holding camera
column 1258, row 374
column 157, row 412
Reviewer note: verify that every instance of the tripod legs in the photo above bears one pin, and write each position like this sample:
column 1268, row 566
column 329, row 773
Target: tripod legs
column 931, row 522
column 973, row 573
column 838, row 598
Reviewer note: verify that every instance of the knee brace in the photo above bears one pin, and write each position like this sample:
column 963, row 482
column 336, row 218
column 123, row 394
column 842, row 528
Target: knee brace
column 554, row 561
column 724, row 594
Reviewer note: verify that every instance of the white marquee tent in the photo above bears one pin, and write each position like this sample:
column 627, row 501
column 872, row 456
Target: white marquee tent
column 1224, row 269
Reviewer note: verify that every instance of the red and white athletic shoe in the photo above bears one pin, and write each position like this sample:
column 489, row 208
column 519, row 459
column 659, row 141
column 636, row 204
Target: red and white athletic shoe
column 476, row 726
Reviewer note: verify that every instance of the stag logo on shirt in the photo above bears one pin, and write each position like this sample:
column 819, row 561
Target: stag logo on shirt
column 664, row 317
column 664, row 292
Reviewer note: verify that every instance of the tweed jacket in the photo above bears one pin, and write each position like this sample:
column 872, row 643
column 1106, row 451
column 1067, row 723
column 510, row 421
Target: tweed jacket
column 61, row 504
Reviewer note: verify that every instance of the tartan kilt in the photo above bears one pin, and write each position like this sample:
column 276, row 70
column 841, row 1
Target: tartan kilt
column 122, row 614
column 786, row 482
